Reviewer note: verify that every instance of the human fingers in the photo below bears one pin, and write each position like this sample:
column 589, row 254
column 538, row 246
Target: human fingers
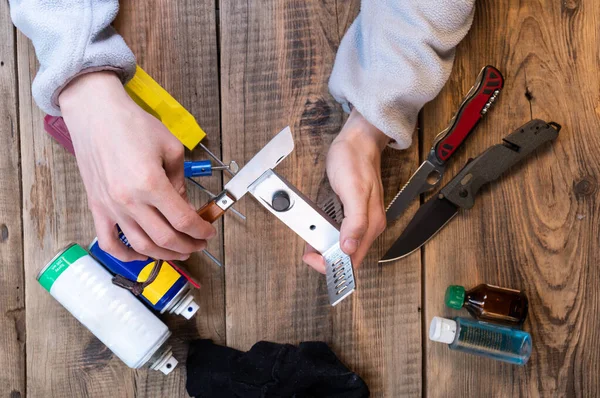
column 314, row 259
column 143, row 244
column 354, row 196
column 108, row 238
column 163, row 234
column 178, row 212
column 377, row 224
column 173, row 159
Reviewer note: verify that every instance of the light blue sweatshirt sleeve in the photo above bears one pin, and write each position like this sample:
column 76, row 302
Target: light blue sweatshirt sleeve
column 395, row 57
column 71, row 37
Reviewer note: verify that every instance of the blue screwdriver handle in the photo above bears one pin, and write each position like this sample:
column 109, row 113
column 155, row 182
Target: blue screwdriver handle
column 198, row 168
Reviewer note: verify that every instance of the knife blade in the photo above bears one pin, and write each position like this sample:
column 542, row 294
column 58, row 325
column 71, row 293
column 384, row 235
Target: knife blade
column 267, row 158
column 460, row 192
column 474, row 106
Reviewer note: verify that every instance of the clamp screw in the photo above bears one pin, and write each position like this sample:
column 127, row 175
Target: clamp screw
column 281, row 201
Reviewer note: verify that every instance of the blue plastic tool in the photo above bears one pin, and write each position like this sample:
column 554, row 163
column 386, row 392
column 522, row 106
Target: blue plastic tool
column 198, row 168
column 203, row 168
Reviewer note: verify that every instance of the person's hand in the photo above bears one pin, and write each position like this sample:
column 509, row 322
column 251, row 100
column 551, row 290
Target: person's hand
column 354, row 171
column 132, row 169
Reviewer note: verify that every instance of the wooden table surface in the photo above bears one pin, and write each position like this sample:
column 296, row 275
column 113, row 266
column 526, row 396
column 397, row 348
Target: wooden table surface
column 246, row 69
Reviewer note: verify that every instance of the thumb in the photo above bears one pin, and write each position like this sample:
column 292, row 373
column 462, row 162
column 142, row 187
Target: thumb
column 355, row 223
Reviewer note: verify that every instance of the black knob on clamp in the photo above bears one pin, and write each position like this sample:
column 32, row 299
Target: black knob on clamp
column 281, row 201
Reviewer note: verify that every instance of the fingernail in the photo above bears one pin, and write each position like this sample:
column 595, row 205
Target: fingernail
column 184, row 257
column 350, row 245
column 212, row 234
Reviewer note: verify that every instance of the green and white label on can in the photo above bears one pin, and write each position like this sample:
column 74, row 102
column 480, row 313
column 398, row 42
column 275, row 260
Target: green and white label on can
column 61, row 262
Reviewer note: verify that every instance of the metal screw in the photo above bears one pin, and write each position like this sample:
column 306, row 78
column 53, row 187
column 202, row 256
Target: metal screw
column 219, row 161
column 232, row 167
column 213, row 258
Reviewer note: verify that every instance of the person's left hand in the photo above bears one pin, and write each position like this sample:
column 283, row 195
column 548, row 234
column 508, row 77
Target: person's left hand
column 354, row 171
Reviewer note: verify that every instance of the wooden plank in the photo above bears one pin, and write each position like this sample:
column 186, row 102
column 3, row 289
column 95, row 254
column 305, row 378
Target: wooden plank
column 180, row 43
column 63, row 358
column 176, row 43
column 537, row 228
column 12, row 292
column 275, row 61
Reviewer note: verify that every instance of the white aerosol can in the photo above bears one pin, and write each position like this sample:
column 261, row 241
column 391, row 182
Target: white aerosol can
column 114, row 315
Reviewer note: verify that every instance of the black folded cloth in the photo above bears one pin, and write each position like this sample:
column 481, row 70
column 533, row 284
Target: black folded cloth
column 270, row 370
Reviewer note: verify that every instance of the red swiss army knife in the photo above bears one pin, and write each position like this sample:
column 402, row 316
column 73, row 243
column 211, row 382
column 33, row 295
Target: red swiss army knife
column 472, row 109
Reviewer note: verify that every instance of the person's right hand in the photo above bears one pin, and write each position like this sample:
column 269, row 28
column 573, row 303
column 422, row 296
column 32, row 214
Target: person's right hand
column 132, row 169
column 354, row 171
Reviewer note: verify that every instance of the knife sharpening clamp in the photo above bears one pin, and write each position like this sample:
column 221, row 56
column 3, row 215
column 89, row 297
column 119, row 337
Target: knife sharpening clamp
column 312, row 224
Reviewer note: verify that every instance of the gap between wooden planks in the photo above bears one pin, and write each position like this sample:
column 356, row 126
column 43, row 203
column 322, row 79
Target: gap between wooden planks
column 12, row 288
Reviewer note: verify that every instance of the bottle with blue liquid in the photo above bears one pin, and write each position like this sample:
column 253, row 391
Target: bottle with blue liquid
column 481, row 338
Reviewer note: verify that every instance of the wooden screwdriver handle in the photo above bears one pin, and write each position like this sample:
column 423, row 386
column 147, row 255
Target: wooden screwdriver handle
column 211, row 211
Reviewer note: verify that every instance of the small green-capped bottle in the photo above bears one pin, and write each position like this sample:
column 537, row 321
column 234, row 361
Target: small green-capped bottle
column 490, row 303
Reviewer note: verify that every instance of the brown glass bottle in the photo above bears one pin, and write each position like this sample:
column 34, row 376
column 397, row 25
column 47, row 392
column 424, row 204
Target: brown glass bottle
column 490, row 303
